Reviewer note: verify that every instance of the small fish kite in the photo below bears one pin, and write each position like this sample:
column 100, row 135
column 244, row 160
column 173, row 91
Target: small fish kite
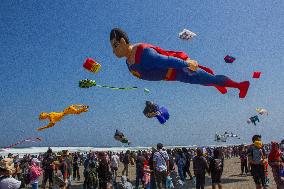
column 261, row 111
column 92, row 65
column 57, row 116
column 231, row 135
column 253, row 120
column 223, row 137
column 229, row 59
column 87, row 83
column 256, row 75
column 120, row 137
column 186, row 34
column 153, row 110
column 30, row 139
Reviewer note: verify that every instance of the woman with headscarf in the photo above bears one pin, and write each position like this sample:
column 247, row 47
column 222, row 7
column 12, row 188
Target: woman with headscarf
column 275, row 159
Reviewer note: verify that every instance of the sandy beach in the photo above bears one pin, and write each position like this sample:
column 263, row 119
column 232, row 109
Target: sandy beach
column 231, row 178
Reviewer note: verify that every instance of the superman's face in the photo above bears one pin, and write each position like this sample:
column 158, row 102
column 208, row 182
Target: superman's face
column 117, row 47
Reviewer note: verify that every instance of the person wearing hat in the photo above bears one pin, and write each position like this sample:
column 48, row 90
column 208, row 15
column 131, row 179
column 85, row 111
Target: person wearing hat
column 6, row 171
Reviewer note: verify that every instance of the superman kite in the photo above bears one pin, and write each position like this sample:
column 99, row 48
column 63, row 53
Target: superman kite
column 149, row 62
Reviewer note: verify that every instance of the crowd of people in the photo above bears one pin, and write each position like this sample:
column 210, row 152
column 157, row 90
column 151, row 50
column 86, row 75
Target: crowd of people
column 155, row 168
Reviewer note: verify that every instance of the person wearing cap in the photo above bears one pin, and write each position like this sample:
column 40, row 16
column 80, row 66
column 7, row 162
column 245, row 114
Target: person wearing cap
column 35, row 172
column 6, row 171
column 161, row 166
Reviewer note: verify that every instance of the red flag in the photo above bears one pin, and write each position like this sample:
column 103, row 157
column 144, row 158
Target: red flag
column 256, row 74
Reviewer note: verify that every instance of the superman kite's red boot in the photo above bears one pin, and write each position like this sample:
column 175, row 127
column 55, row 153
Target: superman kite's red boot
column 243, row 86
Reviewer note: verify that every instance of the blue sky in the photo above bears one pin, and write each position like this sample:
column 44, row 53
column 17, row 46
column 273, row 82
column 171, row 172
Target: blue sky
column 43, row 45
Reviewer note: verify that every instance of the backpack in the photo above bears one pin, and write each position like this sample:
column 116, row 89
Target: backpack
column 218, row 165
column 92, row 179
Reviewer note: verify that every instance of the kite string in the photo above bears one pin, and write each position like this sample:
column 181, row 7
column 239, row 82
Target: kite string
column 19, row 142
column 117, row 88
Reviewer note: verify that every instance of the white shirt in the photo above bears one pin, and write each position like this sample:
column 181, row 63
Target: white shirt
column 161, row 157
column 10, row 183
column 114, row 160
